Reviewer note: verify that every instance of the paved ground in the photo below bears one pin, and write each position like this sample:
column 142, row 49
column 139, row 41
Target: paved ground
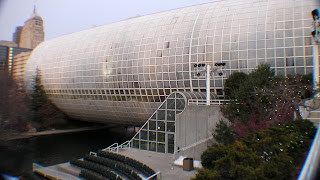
column 15, row 136
column 63, row 171
column 157, row 161
column 160, row 162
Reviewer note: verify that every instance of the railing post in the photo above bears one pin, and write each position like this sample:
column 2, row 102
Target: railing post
column 310, row 168
column 155, row 174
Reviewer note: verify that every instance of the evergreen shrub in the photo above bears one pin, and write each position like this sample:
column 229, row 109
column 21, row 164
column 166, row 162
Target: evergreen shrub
column 273, row 153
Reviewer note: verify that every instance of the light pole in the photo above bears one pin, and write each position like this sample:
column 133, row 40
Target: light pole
column 203, row 70
column 208, row 87
column 315, row 44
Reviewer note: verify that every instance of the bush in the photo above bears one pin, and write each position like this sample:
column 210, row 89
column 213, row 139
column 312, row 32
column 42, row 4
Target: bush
column 273, row 153
column 223, row 133
column 260, row 99
column 206, row 174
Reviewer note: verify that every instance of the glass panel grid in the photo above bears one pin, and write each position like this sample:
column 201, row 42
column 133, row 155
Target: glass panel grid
column 140, row 61
column 158, row 133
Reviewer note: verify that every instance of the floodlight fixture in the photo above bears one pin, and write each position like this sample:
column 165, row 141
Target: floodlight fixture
column 199, row 65
column 316, row 25
column 315, row 14
column 220, row 64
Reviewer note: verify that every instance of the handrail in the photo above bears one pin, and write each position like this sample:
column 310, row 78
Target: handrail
column 111, row 148
column 154, row 175
column 93, row 153
column 311, row 166
column 203, row 101
column 192, row 145
column 116, row 147
column 54, row 174
column 125, row 144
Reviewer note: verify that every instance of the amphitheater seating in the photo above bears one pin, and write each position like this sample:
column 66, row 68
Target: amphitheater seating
column 96, row 168
column 118, row 167
column 112, row 165
column 90, row 175
column 144, row 169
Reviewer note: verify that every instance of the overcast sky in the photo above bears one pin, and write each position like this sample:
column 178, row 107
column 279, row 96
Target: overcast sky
column 67, row 16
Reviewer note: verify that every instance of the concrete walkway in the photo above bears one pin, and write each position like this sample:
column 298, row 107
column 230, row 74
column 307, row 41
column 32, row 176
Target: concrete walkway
column 159, row 162
column 63, row 171
column 52, row 132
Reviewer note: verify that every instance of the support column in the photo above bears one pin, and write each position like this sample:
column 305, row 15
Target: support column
column 208, row 87
column 315, row 53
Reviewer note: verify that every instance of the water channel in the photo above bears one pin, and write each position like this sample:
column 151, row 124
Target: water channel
column 18, row 155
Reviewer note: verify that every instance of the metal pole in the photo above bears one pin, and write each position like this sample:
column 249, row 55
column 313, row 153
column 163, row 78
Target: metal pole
column 315, row 64
column 208, row 84
column 315, row 52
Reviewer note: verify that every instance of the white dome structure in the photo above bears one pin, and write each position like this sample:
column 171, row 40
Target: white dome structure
column 120, row 73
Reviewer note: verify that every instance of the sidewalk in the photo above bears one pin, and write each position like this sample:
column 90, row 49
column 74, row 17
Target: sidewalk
column 159, row 162
column 16, row 136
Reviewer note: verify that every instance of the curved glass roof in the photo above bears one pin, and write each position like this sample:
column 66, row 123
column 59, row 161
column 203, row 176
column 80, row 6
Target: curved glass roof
column 123, row 71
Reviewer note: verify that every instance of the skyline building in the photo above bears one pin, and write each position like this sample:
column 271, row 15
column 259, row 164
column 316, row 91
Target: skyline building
column 121, row 73
column 25, row 39
column 19, row 64
column 17, row 34
column 32, row 33
column 7, row 52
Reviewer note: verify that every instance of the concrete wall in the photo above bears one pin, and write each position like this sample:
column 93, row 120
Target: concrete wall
column 313, row 111
column 195, row 123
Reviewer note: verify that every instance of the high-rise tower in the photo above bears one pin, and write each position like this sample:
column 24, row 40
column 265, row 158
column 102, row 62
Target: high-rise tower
column 32, row 33
column 17, row 34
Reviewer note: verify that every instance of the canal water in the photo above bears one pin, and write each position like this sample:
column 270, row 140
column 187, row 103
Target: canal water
column 18, row 155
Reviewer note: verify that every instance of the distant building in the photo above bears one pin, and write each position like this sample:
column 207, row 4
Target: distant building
column 32, row 33
column 3, row 57
column 8, row 44
column 17, row 34
column 7, row 54
column 25, row 39
column 19, row 65
column 4, row 53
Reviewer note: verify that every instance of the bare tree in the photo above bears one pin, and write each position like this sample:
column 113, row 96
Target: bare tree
column 14, row 105
column 282, row 98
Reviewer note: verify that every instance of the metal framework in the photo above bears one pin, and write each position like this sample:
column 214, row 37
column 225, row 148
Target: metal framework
column 158, row 133
column 121, row 72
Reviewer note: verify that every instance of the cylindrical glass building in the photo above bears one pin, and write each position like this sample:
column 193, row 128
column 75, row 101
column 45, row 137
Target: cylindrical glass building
column 121, row 72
